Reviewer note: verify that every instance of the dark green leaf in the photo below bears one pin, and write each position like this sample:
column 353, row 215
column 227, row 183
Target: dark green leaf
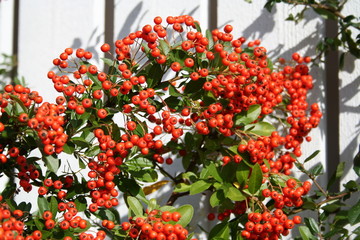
column 194, row 86
column 312, row 225
column 325, row 13
column 255, row 180
column 173, row 91
column 337, row 175
column 333, row 207
column 269, row 5
column 312, row 156
column 242, row 173
column 354, row 214
column 357, row 164
column 317, row 170
column 221, row 231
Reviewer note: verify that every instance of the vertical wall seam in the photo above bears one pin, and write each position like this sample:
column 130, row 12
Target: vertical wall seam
column 109, row 25
column 213, row 14
column 332, row 105
column 15, row 45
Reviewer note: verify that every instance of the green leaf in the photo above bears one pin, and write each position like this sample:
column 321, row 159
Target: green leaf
column 81, row 204
column 53, row 205
column 357, row 164
column 164, row 47
column 197, row 26
column 220, row 231
column 234, row 194
column 305, row 233
column 182, row 187
column 108, row 61
column 194, row 86
column 214, row 172
column 312, row 156
column 332, row 207
column 135, row 206
column 269, row 5
column 325, row 13
column 337, row 175
column 317, row 170
column 249, row 116
column 145, row 175
column 216, row 198
column 312, row 225
column 354, row 214
column 173, row 91
column 187, row 212
column 260, row 128
column 42, row 204
column 255, row 180
column 199, row 186
column 51, row 162
column 242, row 173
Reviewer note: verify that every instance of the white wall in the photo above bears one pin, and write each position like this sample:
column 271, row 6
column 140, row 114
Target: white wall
column 46, row 28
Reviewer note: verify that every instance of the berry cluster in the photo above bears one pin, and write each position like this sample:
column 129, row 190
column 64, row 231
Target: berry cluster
column 156, row 225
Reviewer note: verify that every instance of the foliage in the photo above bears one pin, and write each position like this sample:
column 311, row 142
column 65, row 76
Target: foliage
column 347, row 37
column 234, row 119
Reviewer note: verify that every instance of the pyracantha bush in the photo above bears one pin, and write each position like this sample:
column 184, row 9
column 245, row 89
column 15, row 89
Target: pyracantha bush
column 234, row 119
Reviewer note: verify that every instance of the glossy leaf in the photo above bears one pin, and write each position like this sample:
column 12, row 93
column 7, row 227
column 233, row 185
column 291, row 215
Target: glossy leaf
column 42, row 204
column 51, row 162
column 314, row 154
column 260, row 128
column 199, row 186
column 221, row 231
column 187, row 212
column 135, row 206
column 312, row 225
column 248, row 116
column 354, row 214
column 255, row 180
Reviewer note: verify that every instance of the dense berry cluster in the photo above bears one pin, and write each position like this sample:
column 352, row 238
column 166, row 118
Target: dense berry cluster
column 208, row 98
column 156, row 225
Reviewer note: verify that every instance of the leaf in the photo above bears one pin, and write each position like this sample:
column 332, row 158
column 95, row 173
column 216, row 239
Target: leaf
column 164, row 46
column 42, row 204
column 242, row 173
column 234, row 194
column 220, row 231
column 199, row 186
column 337, row 175
column 154, row 187
column 249, row 116
column 51, row 162
column 260, row 128
column 312, row 225
column 305, row 233
column 312, row 156
column 53, row 205
column 187, row 212
column 214, row 172
column 317, row 170
column 108, row 61
column 255, row 180
column 333, row 207
column 135, row 206
column 182, row 187
column 216, row 198
column 173, row 91
column 354, row 214
column 357, row 164
column 325, row 13
column 197, row 26
column 269, row 5
column 194, row 86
